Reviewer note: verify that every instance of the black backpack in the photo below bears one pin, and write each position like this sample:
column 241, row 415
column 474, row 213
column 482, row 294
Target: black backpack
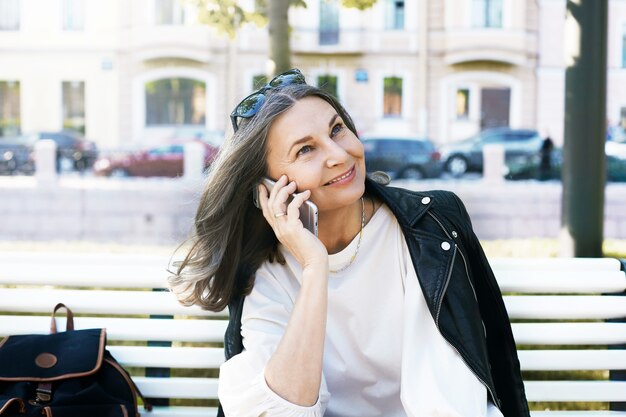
column 67, row 374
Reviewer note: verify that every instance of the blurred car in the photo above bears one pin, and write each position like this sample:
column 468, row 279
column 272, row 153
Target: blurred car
column 73, row 151
column 162, row 161
column 616, row 149
column 407, row 158
column 15, row 157
column 528, row 168
column 467, row 155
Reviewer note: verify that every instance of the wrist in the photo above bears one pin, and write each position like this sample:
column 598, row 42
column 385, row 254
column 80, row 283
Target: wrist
column 316, row 266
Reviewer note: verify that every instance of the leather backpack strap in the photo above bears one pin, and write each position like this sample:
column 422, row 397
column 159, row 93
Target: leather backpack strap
column 70, row 319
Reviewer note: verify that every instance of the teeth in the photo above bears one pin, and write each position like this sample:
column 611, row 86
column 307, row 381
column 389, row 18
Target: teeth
column 344, row 176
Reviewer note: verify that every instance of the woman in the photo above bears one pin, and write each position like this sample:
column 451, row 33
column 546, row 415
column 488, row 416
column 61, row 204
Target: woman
column 392, row 310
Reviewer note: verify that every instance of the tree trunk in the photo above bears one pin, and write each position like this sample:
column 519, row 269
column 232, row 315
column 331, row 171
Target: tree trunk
column 584, row 164
column 280, row 50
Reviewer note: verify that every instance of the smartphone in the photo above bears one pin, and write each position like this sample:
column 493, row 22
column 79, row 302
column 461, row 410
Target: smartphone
column 308, row 210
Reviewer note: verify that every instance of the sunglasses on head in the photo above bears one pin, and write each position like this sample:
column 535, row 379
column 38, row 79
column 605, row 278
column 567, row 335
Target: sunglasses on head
column 250, row 105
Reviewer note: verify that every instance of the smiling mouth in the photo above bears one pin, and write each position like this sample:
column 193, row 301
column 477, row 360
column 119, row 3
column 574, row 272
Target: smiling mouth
column 342, row 177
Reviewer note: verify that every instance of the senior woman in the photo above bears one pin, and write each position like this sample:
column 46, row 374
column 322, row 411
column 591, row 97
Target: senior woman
column 391, row 310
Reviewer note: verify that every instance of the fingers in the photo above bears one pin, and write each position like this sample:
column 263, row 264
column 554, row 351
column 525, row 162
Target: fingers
column 293, row 210
column 280, row 213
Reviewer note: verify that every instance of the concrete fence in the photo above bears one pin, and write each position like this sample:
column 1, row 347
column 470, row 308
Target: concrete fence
column 161, row 211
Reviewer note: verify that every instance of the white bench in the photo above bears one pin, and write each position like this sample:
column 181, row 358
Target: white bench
column 115, row 291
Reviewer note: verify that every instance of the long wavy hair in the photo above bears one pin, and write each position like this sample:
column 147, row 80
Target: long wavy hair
column 231, row 238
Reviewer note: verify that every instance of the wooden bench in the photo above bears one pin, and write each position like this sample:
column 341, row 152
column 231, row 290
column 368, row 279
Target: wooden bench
column 557, row 306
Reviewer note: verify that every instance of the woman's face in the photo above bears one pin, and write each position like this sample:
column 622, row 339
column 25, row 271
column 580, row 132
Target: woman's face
column 312, row 146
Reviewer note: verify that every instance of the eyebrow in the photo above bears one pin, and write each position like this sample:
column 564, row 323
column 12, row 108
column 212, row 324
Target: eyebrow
column 308, row 137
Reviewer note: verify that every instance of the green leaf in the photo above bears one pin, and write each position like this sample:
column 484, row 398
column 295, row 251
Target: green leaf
column 358, row 4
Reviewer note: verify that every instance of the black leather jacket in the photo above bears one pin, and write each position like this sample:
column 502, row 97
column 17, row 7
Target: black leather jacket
column 459, row 286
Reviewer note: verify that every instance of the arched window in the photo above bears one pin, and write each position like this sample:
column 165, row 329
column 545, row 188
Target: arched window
column 175, row 101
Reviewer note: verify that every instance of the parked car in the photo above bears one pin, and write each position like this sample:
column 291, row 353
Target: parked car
column 467, row 155
column 15, row 157
column 73, row 151
column 409, row 158
column 162, row 161
column 528, row 168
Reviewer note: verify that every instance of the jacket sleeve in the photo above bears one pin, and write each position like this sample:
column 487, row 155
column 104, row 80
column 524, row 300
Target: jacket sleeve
column 242, row 390
column 505, row 367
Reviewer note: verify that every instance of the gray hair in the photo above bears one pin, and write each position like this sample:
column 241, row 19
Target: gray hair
column 231, row 239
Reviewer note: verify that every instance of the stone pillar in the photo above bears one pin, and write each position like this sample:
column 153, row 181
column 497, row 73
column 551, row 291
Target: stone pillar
column 46, row 161
column 193, row 167
column 494, row 168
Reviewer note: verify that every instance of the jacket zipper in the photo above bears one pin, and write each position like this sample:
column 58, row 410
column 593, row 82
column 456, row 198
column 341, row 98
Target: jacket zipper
column 441, row 225
column 445, row 287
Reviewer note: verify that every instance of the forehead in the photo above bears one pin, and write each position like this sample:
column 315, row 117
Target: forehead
column 306, row 117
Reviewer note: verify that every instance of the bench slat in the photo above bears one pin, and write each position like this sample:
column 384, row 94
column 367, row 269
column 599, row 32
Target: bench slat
column 110, row 276
column 575, row 390
column 565, row 307
column 124, row 328
column 104, row 258
column 569, row 333
column 175, row 387
column 564, row 282
column 558, row 264
column 577, row 413
column 180, row 412
column 97, row 302
column 168, row 357
column 570, row 360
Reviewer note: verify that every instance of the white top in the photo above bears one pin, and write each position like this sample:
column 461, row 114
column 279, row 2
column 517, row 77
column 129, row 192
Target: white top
column 376, row 311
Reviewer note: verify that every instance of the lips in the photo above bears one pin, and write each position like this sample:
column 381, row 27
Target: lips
column 341, row 177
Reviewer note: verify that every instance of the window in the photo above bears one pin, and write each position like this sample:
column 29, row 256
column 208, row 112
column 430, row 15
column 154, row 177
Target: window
column 462, row 103
column 329, row 22
column 328, row 83
column 487, row 13
column 73, row 14
column 259, row 81
column 169, row 12
column 394, row 14
column 9, row 14
column 392, row 101
column 175, row 101
column 9, row 108
column 74, row 106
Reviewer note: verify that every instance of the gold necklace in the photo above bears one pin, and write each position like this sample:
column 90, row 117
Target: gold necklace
column 358, row 245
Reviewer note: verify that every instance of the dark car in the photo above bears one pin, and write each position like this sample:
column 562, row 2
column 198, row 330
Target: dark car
column 16, row 157
column 74, row 153
column 467, row 155
column 528, row 168
column 162, row 161
column 409, row 158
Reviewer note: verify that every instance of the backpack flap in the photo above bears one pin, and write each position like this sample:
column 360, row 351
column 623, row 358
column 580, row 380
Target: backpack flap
column 52, row 357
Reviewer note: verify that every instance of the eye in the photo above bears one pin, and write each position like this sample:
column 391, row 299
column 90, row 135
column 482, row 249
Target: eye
column 305, row 149
column 337, row 129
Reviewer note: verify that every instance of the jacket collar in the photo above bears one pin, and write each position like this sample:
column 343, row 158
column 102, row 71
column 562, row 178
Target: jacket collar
column 407, row 206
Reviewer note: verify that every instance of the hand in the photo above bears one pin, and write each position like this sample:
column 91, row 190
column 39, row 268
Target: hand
column 285, row 221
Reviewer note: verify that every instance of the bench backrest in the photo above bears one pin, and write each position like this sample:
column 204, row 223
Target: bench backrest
column 558, row 308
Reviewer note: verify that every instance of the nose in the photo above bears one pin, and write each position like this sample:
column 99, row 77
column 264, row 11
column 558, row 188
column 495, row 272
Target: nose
column 335, row 153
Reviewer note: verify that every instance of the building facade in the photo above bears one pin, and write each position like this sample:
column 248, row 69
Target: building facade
column 142, row 72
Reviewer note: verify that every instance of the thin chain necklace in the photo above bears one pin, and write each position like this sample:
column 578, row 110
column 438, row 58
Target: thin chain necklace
column 358, row 245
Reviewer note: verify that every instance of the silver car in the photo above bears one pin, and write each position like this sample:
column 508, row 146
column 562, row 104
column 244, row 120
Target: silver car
column 467, row 155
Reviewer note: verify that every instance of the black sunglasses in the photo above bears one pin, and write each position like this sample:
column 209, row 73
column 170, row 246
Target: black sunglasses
column 250, row 105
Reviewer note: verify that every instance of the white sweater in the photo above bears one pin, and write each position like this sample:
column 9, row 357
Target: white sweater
column 383, row 354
